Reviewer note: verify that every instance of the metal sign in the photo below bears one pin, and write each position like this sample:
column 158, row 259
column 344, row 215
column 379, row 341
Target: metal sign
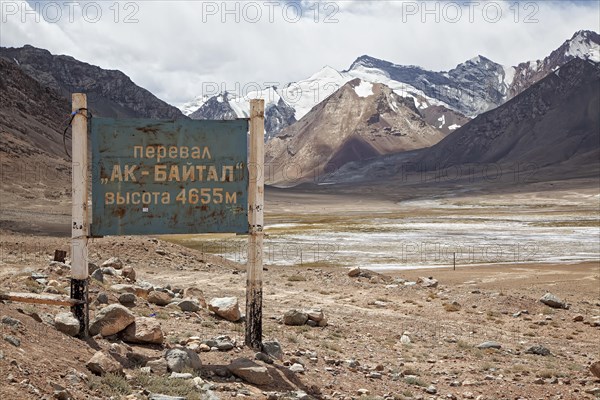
column 169, row 177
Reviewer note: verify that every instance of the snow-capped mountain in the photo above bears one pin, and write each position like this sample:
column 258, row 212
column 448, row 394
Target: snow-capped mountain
column 473, row 87
column 360, row 120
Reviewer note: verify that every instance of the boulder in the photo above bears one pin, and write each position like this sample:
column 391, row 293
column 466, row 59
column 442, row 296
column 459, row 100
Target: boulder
column 159, row 366
column 354, row 272
column 180, row 359
column 144, row 330
column 295, row 318
column 553, row 301
column 113, row 262
column 250, row 371
column 67, row 324
column 101, row 364
column 110, row 320
column 159, row 298
column 226, row 307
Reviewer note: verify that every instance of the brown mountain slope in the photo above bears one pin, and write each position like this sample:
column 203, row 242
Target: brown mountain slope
column 555, row 120
column 33, row 167
column 110, row 93
column 359, row 121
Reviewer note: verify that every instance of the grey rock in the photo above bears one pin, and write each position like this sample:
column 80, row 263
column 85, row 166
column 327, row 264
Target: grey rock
column 295, row 318
column 273, row 349
column 489, row 345
column 113, row 262
column 109, row 271
column 67, row 324
column 143, row 330
column 12, row 322
column 127, row 299
column 15, row 341
column 189, row 305
column 102, row 298
column 181, row 375
column 179, row 359
column 98, row 275
column 156, row 396
column 431, row 389
column 553, row 301
column 538, row 350
column 299, row 368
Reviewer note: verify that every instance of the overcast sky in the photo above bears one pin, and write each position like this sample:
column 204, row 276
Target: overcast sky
column 174, row 48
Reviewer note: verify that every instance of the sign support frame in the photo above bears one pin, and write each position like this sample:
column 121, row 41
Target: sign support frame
column 254, row 265
column 79, row 212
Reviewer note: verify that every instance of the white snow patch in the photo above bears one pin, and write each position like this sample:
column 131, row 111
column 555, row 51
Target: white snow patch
column 581, row 47
column 453, row 127
column 442, row 120
column 364, row 89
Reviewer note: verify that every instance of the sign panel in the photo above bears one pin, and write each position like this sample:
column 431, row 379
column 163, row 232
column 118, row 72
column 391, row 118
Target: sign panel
column 169, row 177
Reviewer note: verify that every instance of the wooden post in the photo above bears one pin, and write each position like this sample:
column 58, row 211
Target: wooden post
column 454, row 261
column 79, row 213
column 256, row 192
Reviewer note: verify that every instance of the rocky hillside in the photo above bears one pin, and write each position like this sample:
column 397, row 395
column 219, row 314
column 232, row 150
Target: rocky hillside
column 32, row 158
column 110, row 93
column 553, row 121
column 360, row 121
column 552, row 126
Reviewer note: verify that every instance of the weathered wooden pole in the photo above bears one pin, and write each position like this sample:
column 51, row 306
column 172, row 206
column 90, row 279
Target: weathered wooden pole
column 79, row 213
column 256, row 194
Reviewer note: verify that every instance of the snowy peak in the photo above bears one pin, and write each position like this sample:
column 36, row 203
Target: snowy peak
column 584, row 44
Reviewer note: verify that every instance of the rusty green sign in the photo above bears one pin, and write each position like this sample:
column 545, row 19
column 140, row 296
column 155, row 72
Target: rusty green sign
column 169, row 177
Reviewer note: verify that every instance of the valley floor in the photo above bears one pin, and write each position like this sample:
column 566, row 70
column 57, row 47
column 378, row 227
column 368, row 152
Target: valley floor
column 387, row 335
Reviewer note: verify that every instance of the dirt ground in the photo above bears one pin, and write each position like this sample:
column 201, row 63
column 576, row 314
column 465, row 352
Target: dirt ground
column 361, row 353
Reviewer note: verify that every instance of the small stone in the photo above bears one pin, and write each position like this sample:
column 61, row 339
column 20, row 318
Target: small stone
column 113, row 262
column 102, row 298
column 67, row 324
column 405, row 339
column 179, row 359
column 12, row 322
column 578, row 318
column 127, row 299
column 98, row 275
column 299, row 368
column 427, row 282
column 315, row 315
column 489, row 345
column 273, row 349
column 15, row 341
column 263, row 357
column 189, row 305
column 363, row 392
column 538, row 350
column 431, row 389
column 180, row 375
column 129, row 273
column 553, row 301
column 354, row 272
column 295, row 318
column 156, row 396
